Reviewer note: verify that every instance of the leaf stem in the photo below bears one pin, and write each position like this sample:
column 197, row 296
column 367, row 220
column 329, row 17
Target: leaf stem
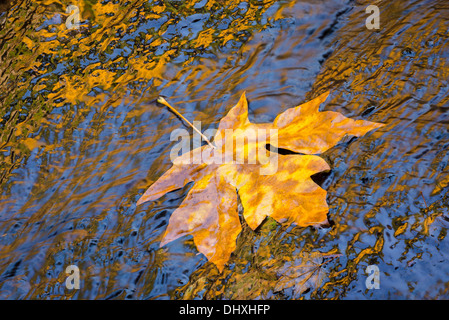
column 165, row 103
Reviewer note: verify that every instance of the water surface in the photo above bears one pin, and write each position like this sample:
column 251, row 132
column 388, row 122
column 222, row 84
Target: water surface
column 82, row 138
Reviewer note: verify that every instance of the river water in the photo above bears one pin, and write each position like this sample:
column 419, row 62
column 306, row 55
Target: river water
column 81, row 138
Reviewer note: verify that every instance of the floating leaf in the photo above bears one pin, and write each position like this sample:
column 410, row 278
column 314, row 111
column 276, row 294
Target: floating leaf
column 268, row 183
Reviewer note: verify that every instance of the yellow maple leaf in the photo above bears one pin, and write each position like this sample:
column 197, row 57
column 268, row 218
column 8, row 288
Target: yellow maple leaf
column 268, row 183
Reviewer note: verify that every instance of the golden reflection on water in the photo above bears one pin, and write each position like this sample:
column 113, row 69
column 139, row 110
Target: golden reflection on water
column 81, row 138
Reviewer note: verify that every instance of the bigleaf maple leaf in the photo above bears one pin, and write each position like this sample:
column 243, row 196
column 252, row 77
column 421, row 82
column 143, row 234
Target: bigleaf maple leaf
column 275, row 185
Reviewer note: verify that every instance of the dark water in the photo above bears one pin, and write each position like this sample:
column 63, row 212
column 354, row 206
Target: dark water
column 81, row 139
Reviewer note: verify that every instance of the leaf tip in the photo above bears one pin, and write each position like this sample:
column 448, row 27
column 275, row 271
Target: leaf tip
column 243, row 97
column 140, row 201
column 380, row 125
